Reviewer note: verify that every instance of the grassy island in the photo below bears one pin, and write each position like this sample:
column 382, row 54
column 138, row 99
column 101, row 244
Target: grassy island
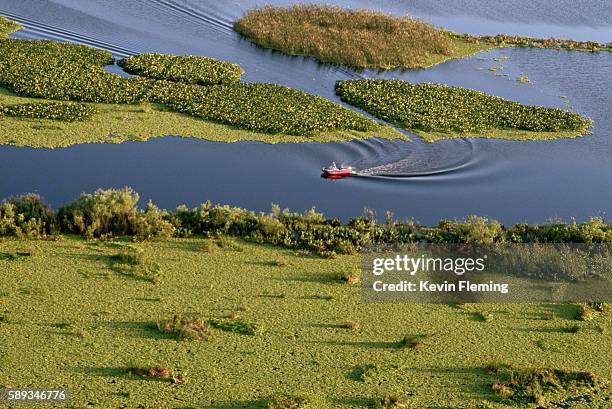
column 180, row 316
column 437, row 111
column 171, row 95
column 370, row 39
column 358, row 38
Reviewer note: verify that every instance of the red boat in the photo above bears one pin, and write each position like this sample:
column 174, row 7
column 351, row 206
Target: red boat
column 335, row 172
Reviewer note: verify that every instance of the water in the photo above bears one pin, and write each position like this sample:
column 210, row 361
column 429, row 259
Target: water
column 507, row 180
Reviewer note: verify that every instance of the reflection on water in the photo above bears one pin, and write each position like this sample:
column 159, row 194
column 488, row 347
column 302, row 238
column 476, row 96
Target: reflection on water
column 511, row 181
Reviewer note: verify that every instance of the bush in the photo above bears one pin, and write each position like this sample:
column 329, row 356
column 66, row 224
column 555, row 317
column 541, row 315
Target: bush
column 61, row 111
column 114, row 213
column 28, row 216
column 439, row 108
column 185, row 69
column 352, row 37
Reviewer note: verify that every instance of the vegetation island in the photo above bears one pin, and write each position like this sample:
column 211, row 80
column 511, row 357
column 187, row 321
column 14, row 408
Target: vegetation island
column 58, row 94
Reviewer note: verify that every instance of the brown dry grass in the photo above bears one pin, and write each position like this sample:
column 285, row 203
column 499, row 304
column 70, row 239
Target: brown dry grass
column 357, row 38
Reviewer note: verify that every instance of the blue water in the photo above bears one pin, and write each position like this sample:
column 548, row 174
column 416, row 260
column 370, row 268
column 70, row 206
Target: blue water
column 509, row 181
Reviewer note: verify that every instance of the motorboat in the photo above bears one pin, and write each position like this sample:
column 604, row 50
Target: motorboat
column 335, row 172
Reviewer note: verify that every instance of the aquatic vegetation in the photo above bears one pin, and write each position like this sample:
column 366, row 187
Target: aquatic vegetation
column 266, row 108
column 536, row 385
column 302, row 351
column 69, row 72
column 185, row 328
column 505, row 40
column 187, row 69
column 297, row 401
column 57, row 111
column 237, row 325
column 357, row 38
column 438, row 111
column 8, row 26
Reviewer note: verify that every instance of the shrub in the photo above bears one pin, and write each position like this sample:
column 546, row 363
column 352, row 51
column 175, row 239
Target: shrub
column 185, row 69
column 352, row 37
column 440, row 108
column 28, row 216
column 59, row 111
column 114, row 213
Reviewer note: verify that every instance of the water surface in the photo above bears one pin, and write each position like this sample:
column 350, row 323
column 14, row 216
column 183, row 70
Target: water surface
column 508, row 180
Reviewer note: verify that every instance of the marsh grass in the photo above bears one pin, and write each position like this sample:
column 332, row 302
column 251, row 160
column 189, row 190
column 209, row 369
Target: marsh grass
column 532, row 385
column 185, row 328
column 357, row 38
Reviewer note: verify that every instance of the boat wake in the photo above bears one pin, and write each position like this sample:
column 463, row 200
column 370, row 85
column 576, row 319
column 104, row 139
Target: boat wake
column 398, row 159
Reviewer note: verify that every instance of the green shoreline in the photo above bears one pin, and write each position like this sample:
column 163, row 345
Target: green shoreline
column 119, row 123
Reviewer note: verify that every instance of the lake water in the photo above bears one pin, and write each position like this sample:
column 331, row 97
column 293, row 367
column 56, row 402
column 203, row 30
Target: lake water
column 507, row 180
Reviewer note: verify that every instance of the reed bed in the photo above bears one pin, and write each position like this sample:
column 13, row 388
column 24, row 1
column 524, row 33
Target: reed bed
column 357, row 38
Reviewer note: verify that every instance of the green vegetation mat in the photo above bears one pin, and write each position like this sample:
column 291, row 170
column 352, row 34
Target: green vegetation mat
column 7, row 27
column 186, row 69
column 115, row 123
column 70, row 317
column 437, row 111
column 357, row 38
column 227, row 111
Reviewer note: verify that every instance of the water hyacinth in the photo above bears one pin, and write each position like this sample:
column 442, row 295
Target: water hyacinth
column 265, row 108
column 59, row 111
column 69, row 72
column 7, row 27
column 185, row 69
column 439, row 108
